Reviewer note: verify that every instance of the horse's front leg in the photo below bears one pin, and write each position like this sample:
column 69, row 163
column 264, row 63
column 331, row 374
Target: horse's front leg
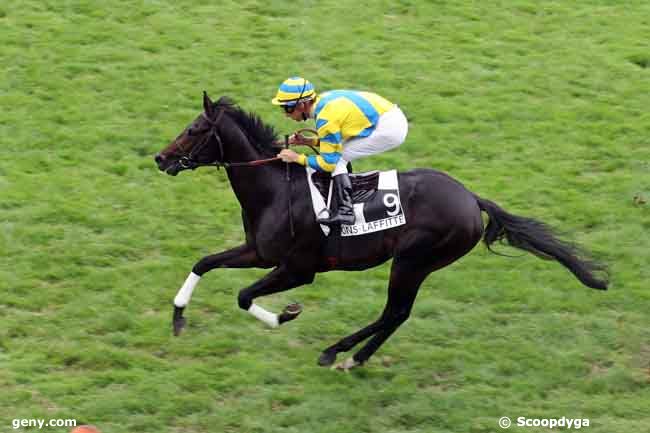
column 280, row 279
column 243, row 256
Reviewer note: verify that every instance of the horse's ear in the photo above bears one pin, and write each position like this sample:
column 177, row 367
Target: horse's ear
column 207, row 104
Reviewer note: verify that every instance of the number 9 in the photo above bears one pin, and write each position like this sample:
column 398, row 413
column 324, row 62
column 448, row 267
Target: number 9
column 391, row 201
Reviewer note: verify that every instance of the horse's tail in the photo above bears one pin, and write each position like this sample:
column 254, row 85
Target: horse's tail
column 538, row 238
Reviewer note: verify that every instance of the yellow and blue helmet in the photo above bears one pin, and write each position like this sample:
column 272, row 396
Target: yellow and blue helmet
column 292, row 90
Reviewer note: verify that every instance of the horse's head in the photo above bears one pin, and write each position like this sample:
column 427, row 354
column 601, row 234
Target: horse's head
column 198, row 144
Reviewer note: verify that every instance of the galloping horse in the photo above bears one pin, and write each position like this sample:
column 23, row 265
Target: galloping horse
column 443, row 224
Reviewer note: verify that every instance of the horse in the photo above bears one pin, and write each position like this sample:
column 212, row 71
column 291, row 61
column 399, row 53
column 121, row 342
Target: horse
column 444, row 223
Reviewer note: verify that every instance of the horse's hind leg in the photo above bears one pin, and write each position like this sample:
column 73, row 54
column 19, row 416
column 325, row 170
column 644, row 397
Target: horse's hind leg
column 243, row 256
column 405, row 280
column 411, row 266
column 328, row 357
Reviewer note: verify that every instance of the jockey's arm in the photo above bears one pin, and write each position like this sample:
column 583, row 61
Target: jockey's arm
column 330, row 153
column 329, row 141
column 331, row 146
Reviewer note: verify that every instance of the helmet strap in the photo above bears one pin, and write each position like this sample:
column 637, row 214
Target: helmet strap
column 299, row 100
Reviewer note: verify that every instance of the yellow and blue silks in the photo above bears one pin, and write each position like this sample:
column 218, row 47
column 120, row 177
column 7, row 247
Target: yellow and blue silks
column 340, row 116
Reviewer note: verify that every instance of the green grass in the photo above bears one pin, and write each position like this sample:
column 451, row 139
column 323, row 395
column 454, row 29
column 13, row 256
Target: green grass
column 542, row 107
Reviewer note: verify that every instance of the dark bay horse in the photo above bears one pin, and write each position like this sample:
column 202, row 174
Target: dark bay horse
column 443, row 224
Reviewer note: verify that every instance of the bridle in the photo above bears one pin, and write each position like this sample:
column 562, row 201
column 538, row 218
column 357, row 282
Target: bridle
column 189, row 161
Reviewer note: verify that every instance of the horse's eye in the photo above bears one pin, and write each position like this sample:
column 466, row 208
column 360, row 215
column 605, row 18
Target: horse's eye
column 190, row 131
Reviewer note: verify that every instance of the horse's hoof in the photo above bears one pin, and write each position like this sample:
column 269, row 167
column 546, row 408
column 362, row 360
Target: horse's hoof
column 346, row 365
column 289, row 313
column 179, row 321
column 179, row 324
column 326, row 359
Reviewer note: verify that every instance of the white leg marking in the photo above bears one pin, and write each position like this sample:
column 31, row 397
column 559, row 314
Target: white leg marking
column 265, row 316
column 346, row 365
column 185, row 293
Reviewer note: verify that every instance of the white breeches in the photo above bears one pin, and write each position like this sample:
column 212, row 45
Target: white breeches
column 389, row 133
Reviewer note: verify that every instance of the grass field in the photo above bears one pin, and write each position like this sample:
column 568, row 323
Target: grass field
column 543, row 107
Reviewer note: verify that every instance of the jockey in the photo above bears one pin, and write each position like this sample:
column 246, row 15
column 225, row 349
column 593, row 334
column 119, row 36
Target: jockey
column 351, row 124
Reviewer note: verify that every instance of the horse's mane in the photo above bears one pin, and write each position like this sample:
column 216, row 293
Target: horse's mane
column 261, row 135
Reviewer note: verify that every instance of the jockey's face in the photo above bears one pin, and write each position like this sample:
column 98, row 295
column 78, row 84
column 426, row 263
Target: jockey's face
column 301, row 111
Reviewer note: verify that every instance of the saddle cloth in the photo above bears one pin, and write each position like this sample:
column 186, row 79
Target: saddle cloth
column 375, row 196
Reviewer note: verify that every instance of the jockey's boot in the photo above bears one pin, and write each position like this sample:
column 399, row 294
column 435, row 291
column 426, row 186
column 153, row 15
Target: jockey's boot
column 345, row 212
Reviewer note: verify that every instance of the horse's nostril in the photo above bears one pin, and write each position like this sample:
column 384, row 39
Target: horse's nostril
column 158, row 159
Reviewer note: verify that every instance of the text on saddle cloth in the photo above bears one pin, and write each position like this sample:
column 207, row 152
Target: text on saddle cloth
column 376, row 199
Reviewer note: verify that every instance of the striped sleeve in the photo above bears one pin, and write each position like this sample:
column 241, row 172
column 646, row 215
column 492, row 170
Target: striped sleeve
column 324, row 161
column 329, row 131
